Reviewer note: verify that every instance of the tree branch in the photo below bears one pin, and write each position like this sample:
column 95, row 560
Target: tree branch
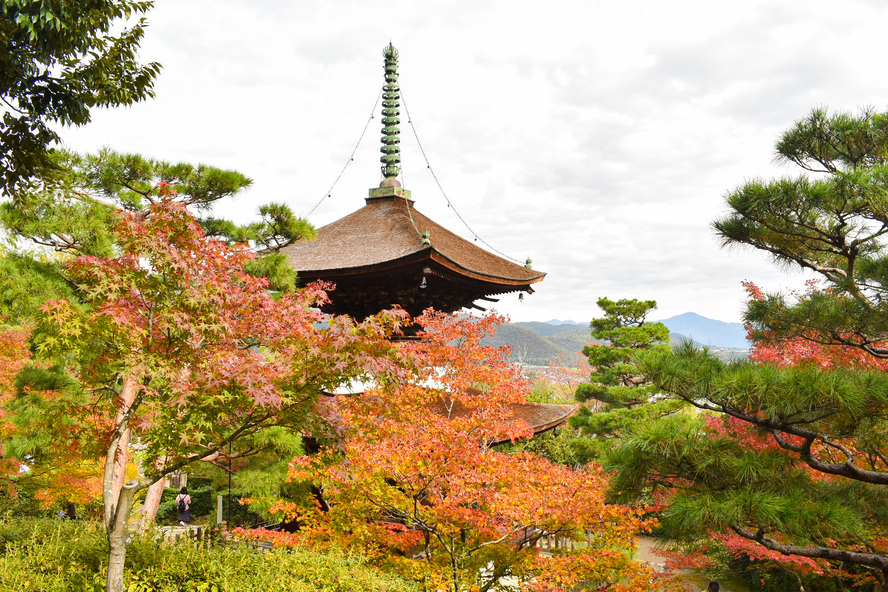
column 815, row 552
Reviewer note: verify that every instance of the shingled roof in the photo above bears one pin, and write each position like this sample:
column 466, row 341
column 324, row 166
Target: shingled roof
column 390, row 229
column 540, row 417
column 389, row 253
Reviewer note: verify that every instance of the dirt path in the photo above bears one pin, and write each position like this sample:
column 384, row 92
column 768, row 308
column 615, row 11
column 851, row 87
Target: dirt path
column 647, row 552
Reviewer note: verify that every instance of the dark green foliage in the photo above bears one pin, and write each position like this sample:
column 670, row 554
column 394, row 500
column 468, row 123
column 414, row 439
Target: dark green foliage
column 203, row 505
column 63, row 556
column 831, row 221
column 42, row 424
column 278, row 227
column 623, row 397
column 26, row 282
column 763, row 578
column 793, row 458
column 22, row 504
column 39, row 378
column 72, row 206
column 275, row 267
column 556, row 445
column 264, row 480
column 203, row 502
column 615, row 379
column 59, row 60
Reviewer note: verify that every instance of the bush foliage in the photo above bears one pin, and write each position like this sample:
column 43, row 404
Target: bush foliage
column 44, row 555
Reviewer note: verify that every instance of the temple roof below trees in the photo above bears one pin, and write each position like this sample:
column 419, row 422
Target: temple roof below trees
column 541, row 417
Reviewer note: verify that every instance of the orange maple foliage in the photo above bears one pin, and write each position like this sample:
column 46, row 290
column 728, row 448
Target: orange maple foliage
column 412, row 480
column 173, row 343
column 14, row 355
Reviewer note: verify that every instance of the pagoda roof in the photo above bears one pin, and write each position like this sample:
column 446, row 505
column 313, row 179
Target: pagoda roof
column 389, row 230
column 541, row 417
column 388, row 253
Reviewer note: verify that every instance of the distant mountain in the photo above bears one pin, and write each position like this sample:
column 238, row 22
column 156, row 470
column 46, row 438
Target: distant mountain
column 708, row 331
column 553, row 328
column 538, row 343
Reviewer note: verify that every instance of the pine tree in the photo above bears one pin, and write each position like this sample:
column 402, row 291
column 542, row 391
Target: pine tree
column 788, row 460
column 620, row 396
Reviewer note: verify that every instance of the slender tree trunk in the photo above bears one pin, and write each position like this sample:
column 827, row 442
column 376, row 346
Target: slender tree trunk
column 117, row 497
column 118, row 452
column 117, row 535
column 152, row 502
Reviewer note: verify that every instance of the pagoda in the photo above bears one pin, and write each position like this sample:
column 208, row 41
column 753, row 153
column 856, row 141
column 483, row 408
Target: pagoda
column 388, row 253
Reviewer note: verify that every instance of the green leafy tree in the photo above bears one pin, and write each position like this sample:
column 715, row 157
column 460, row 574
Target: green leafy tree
column 26, row 282
column 71, row 207
column 620, row 396
column 790, row 457
column 58, row 61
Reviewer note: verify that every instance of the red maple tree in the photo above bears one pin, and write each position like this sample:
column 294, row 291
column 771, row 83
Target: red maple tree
column 174, row 344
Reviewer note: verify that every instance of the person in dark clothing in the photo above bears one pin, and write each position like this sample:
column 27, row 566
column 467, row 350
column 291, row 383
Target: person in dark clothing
column 712, row 587
column 183, row 505
column 68, row 512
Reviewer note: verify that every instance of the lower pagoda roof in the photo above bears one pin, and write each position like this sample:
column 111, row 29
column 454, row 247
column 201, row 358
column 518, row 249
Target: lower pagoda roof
column 390, row 253
column 540, row 417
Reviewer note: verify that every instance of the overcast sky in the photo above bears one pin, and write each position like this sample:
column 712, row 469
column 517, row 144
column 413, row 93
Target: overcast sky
column 596, row 137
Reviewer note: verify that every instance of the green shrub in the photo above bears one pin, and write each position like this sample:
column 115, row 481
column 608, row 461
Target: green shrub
column 56, row 556
column 24, row 504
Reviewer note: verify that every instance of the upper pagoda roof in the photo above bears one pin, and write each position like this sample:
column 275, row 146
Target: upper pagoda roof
column 390, row 229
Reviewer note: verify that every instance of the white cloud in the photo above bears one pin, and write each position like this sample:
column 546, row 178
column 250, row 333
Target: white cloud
column 596, row 137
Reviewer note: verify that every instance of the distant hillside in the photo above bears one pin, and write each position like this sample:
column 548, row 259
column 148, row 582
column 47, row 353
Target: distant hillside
column 538, row 344
column 708, row 331
column 529, row 346
column 554, row 328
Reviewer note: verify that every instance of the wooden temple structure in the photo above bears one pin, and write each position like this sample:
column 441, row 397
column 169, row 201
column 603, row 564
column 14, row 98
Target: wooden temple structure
column 388, row 253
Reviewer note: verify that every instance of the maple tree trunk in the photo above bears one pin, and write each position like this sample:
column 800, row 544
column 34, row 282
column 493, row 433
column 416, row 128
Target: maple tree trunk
column 117, row 496
column 151, row 504
column 118, row 454
column 121, row 459
column 117, row 536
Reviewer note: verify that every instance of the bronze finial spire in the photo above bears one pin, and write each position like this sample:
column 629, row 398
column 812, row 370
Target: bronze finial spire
column 391, row 100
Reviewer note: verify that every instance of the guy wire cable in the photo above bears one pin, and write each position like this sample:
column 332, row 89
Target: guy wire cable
column 351, row 157
column 444, row 193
